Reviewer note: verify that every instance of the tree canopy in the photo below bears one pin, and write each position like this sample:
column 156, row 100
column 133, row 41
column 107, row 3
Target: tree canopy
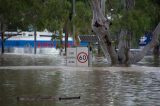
column 53, row 14
column 50, row 14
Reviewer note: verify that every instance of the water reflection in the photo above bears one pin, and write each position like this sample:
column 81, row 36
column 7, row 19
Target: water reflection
column 29, row 50
column 30, row 60
column 95, row 87
column 28, row 82
column 150, row 61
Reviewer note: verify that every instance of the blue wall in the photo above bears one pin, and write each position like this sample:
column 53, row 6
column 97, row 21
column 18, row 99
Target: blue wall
column 25, row 43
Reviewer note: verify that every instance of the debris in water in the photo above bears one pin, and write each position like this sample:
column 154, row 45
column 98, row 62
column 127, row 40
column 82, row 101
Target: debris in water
column 38, row 98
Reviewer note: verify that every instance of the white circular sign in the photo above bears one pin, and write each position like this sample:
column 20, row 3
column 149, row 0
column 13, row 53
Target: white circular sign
column 82, row 57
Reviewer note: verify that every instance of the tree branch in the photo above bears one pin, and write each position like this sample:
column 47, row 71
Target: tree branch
column 134, row 58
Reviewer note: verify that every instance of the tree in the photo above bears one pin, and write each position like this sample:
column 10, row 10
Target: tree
column 57, row 15
column 83, row 17
column 101, row 25
column 19, row 14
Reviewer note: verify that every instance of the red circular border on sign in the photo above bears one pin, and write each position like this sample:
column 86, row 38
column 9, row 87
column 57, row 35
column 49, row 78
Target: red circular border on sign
column 82, row 53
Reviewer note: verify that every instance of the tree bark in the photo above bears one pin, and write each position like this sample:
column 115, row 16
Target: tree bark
column 125, row 37
column 156, row 50
column 156, row 55
column 103, row 6
column 100, row 26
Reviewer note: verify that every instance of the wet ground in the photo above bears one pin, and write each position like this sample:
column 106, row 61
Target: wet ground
column 45, row 75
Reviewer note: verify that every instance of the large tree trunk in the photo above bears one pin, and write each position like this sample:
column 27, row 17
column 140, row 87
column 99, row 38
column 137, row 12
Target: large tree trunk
column 125, row 37
column 124, row 47
column 100, row 26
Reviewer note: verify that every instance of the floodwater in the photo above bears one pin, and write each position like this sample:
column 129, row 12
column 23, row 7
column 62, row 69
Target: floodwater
column 26, row 57
column 45, row 75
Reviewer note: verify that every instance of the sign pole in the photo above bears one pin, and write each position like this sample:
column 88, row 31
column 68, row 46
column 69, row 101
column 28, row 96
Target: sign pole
column 89, row 55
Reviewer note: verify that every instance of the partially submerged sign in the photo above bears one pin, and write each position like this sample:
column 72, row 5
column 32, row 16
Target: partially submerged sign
column 77, row 56
column 71, row 56
column 82, row 56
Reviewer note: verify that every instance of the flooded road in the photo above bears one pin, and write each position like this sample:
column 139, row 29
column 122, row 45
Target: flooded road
column 24, row 57
column 96, row 86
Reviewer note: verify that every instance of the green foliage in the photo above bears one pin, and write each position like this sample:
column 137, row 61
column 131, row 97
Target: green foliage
column 56, row 13
column 21, row 13
column 51, row 14
column 144, row 16
column 83, row 17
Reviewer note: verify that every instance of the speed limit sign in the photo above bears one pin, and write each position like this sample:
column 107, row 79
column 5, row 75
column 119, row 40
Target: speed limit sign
column 82, row 56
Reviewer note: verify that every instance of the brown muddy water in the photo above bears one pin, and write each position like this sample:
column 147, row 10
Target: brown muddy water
column 40, row 80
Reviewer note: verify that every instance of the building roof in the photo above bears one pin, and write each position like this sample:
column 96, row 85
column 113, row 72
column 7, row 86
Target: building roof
column 88, row 38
